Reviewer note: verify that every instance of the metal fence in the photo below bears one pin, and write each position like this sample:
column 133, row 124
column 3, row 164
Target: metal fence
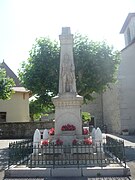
column 116, row 148
column 80, row 155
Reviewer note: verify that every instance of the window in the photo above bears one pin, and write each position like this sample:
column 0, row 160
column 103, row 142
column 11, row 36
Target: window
column 2, row 117
column 128, row 36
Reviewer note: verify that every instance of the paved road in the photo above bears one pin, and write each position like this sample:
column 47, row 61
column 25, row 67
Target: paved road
column 129, row 142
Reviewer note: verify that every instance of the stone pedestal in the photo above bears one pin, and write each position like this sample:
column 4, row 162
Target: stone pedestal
column 67, row 111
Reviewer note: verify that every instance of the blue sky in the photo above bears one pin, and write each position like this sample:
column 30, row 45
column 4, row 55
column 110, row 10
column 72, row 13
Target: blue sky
column 22, row 21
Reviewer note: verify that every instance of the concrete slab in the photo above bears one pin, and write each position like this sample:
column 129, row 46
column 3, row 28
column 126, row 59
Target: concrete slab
column 66, row 172
column 27, row 172
column 105, row 171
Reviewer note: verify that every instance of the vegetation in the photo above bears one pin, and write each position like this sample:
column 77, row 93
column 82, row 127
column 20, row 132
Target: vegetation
column 86, row 116
column 95, row 67
column 6, row 85
column 37, row 109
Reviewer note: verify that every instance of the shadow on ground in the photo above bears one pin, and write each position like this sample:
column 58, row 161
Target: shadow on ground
column 128, row 138
column 3, row 159
column 130, row 153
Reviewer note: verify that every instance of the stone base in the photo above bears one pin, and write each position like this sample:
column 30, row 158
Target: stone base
column 68, row 133
column 67, row 111
column 66, row 138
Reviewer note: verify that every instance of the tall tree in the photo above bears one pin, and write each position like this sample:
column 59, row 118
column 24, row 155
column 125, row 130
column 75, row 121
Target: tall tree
column 6, row 85
column 96, row 65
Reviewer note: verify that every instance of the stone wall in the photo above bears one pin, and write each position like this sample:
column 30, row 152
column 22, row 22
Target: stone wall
column 95, row 109
column 105, row 109
column 111, row 110
column 22, row 129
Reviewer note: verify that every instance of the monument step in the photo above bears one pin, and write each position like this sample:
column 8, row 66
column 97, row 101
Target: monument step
column 71, row 178
column 41, row 173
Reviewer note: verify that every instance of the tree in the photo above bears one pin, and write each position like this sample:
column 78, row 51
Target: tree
column 6, row 85
column 96, row 65
column 37, row 109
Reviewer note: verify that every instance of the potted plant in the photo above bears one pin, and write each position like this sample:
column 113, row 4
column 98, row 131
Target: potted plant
column 125, row 132
column 85, row 131
column 74, row 142
column 44, row 143
column 87, row 141
column 52, row 131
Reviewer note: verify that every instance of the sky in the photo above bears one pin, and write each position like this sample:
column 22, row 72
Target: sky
column 22, row 21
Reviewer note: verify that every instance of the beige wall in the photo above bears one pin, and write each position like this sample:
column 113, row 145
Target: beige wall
column 17, row 107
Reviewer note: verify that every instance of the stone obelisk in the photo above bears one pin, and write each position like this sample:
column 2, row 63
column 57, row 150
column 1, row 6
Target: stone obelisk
column 67, row 102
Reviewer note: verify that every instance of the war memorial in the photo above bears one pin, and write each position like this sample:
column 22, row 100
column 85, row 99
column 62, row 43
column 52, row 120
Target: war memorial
column 68, row 149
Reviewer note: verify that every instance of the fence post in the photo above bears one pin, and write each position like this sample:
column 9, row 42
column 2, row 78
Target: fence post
column 124, row 156
column 9, row 155
column 36, row 141
column 53, row 156
column 77, row 155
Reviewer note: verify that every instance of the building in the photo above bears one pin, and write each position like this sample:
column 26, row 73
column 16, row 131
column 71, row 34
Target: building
column 127, row 75
column 17, row 108
column 116, row 107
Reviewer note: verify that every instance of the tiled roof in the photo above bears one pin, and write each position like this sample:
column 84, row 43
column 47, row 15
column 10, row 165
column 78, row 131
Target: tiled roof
column 10, row 73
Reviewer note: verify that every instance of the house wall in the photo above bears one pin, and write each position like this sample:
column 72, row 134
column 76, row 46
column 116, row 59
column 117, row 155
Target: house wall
column 111, row 111
column 105, row 109
column 17, row 108
column 131, row 27
column 127, row 88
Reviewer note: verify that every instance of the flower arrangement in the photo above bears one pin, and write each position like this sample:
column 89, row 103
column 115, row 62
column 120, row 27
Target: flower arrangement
column 74, row 142
column 85, row 131
column 68, row 127
column 51, row 131
column 59, row 142
column 87, row 141
column 44, row 142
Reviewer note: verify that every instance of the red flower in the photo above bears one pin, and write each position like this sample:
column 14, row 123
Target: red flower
column 44, row 142
column 74, row 142
column 68, row 127
column 85, row 131
column 59, row 142
column 88, row 141
column 52, row 131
